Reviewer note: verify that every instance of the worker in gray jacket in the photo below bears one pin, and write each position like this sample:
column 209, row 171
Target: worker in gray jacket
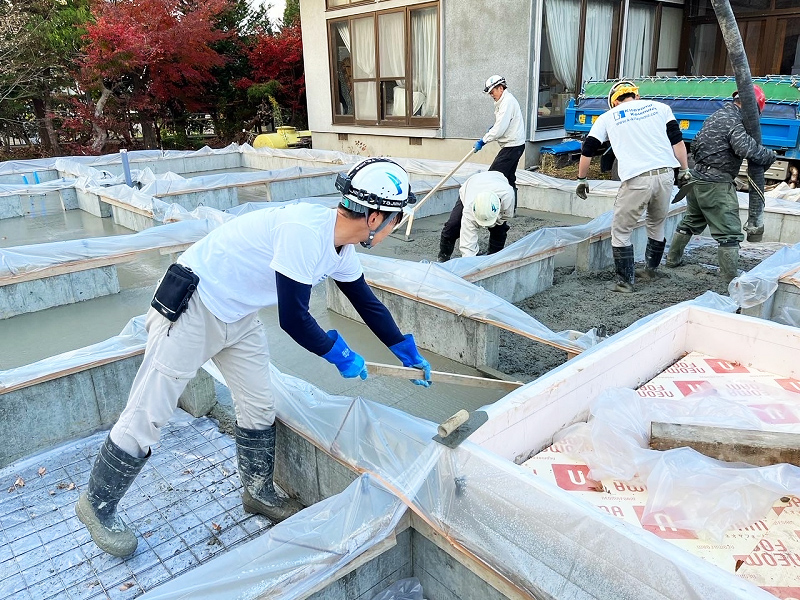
column 718, row 149
column 508, row 130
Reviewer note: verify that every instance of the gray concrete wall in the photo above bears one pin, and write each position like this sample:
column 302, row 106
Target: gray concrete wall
column 306, row 472
column 455, row 337
column 490, row 38
column 132, row 220
column 442, row 576
column 10, row 206
column 69, row 288
column 302, row 187
column 43, row 415
column 375, row 576
column 91, row 203
column 519, row 283
column 220, row 198
column 69, row 198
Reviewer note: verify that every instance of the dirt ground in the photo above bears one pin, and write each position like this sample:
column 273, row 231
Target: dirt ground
column 582, row 301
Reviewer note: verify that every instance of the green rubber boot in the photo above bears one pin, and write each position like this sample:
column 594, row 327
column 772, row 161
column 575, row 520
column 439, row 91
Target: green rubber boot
column 728, row 257
column 676, row 248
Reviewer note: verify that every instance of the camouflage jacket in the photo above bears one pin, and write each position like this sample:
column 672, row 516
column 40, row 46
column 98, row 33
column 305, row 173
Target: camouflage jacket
column 722, row 143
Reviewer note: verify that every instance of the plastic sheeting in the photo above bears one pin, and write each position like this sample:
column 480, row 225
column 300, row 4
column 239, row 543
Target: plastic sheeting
column 696, row 492
column 405, row 589
column 35, row 257
column 708, row 299
column 8, row 189
column 536, row 242
column 756, row 285
column 432, row 283
column 132, row 338
column 298, row 554
column 539, row 536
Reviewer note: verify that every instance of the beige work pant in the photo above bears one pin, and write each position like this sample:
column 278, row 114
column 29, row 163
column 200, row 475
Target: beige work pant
column 638, row 194
column 172, row 357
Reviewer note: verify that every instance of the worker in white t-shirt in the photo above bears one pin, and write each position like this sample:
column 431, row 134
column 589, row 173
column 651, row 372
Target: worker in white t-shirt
column 485, row 200
column 648, row 144
column 271, row 256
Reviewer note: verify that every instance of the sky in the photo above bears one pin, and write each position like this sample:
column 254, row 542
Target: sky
column 276, row 12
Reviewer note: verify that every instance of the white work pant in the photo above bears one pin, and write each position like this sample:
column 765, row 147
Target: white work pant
column 638, row 194
column 172, row 357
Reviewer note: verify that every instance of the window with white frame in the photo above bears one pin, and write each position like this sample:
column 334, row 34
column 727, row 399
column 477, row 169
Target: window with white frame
column 385, row 67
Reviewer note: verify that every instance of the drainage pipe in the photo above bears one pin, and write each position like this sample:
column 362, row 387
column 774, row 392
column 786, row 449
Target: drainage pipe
column 126, row 168
column 750, row 115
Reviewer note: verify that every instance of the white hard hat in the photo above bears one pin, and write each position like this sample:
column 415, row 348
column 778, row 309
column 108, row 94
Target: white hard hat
column 486, row 209
column 377, row 184
column 493, row 82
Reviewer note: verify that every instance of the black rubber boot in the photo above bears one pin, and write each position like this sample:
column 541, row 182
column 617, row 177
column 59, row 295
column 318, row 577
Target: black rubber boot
column 497, row 237
column 676, row 248
column 652, row 258
column 623, row 263
column 255, row 452
column 446, row 248
column 728, row 257
column 112, row 474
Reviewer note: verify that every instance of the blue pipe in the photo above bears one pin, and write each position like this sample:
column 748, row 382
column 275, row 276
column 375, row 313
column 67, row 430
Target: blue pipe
column 126, row 168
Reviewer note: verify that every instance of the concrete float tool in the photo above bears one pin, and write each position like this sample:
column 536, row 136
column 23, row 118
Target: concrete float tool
column 409, row 216
column 459, row 427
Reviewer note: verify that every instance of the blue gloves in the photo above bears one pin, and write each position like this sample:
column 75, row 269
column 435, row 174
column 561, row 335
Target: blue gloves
column 349, row 363
column 479, row 144
column 406, row 351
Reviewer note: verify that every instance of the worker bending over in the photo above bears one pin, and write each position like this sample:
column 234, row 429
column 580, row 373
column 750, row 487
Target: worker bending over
column 508, row 131
column 648, row 145
column 718, row 150
column 485, row 200
column 271, row 256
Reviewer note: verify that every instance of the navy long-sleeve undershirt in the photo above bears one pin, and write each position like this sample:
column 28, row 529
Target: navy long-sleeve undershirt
column 294, row 318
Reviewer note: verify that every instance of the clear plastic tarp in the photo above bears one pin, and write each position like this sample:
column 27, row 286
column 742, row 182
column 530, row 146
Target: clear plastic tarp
column 695, row 492
column 756, row 285
column 540, row 537
column 433, row 284
column 9, row 189
column 36, row 257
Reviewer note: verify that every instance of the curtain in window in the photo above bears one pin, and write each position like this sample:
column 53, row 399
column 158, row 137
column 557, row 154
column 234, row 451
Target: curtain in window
column 669, row 41
column 596, row 49
column 638, row 41
column 343, row 29
column 563, row 20
column 344, row 70
column 425, row 62
column 363, row 52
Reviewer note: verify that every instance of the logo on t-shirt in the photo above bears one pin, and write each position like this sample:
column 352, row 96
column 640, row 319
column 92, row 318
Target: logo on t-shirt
column 619, row 115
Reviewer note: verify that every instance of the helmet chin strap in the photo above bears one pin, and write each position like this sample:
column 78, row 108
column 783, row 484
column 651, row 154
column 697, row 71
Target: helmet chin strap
column 373, row 232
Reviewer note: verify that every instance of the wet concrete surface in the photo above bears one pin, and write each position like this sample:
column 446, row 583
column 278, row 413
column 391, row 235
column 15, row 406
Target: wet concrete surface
column 55, row 225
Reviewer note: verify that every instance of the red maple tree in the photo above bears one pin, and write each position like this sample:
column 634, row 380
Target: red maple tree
column 279, row 57
column 151, row 56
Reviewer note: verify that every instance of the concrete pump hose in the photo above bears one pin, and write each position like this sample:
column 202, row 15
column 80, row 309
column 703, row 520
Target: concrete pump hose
column 750, row 115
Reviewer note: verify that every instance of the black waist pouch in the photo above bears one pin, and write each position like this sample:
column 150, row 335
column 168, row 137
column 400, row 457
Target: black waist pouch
column 173, row 294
